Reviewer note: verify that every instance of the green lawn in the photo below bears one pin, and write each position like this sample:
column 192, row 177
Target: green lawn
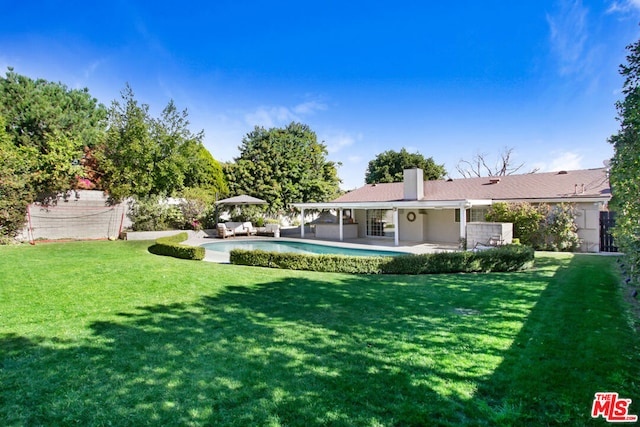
column 104, row 333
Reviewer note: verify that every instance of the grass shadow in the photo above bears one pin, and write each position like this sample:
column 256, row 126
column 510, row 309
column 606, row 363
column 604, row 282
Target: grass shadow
column 574, row 343
column 356, row 350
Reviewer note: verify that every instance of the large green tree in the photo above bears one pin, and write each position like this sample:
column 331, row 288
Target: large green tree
column 282, row 166
column 51, row 125
column 625, row 164
column 389, row 165
column 145, row 156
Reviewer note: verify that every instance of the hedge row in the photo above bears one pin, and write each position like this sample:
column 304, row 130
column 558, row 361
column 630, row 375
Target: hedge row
column 504, row 258
column 170, row 246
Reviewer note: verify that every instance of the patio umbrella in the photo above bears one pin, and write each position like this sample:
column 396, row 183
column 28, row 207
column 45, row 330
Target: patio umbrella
column 241, row 200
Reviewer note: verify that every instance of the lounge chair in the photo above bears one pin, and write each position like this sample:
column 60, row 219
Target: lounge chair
column 250, row 229
column 493, row 242
column 224, row 232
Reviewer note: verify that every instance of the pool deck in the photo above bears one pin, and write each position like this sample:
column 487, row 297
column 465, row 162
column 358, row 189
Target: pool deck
column 197, row 239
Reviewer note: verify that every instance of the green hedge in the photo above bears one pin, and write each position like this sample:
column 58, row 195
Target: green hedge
column 170, row 246
column 505, row 258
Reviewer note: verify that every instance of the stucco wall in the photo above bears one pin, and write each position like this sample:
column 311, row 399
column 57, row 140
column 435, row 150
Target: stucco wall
column 411, row 231
column 441, row 226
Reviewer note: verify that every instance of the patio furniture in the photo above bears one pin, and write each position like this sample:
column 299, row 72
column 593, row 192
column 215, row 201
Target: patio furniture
column 249, row 229
column 269, row 230
column 493, row 242
column 224, row 232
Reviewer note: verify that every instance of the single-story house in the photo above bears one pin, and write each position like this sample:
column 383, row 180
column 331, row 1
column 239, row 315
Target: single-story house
column 439, row 211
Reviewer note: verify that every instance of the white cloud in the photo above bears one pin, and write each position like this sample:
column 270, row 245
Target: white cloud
column 273, row 116
column 624, row 6
column 308, row 108
column 268, row 116
column 568, row 35
column 336, row 141
column 562, row 160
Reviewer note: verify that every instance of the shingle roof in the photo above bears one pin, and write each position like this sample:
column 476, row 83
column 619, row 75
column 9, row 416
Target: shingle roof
column 586, row 183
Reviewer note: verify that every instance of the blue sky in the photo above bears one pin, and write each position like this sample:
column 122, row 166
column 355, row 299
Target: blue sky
column 447, row 79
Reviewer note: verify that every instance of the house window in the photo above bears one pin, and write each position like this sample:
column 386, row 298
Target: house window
column 457, row 215
column 478, row 214
column 473, row 214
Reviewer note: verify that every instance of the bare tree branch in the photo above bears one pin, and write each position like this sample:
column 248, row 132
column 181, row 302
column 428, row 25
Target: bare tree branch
column 480, row 165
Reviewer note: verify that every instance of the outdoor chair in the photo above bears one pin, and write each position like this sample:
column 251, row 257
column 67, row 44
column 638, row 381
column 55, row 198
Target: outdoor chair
column 493, row 242
column 269, row 230
column 250, row 229
column 224, row 232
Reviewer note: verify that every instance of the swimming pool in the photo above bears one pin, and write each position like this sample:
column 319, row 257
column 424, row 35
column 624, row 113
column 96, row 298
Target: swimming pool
column 296, row 247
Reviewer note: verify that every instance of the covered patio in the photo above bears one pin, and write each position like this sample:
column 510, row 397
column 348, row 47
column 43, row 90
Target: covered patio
column 370, row 220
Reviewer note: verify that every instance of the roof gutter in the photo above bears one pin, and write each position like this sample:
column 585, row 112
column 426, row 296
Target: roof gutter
column 398, row 204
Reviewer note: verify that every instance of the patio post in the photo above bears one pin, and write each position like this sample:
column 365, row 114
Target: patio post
column 396, row 226
column 302, row 223
column 463, row 221
column 341, row 231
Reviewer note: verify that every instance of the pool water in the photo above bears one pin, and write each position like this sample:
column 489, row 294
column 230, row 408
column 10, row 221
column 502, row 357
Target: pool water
column 296, row 247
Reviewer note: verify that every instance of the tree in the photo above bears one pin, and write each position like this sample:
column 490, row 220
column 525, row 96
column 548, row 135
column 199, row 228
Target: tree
column 126, row 158
column 625, row 164
column 15, row 190
column 203, row 171
column 389, row 166
column 480, row 165
column 144, row 156
column 50, row 124
column 283, row 166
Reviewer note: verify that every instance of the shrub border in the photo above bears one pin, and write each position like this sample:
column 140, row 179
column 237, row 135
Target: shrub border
column 170, row 246
column 501, row 259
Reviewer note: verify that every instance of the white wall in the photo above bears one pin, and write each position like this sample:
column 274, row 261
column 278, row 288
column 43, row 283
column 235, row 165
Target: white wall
column 411, row 231
column 441, row 226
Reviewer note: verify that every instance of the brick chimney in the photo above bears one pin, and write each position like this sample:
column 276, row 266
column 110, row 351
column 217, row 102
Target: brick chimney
column 413, row 184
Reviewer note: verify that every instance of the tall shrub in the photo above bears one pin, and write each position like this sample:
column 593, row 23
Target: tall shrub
column 558, row 230
column 14, row 194
column 625, row 164
column 154, row 214
column 525, row 217
column 544, row 226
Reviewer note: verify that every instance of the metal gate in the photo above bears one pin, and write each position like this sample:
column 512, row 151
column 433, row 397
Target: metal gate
column 607, row 221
